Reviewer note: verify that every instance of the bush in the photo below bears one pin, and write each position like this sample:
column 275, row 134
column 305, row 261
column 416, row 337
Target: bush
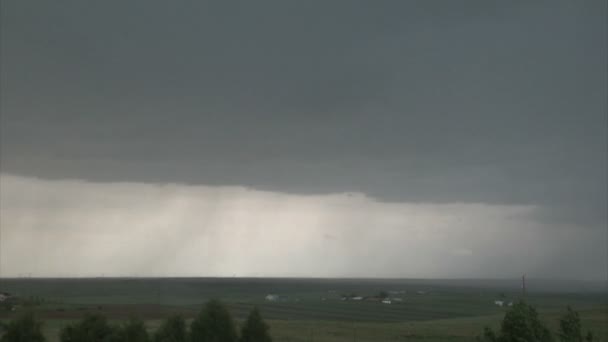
column 570, row 328
column 520, row 324
column 213, row 324
column 172, row 330
column 255, row 329
column 92, row 328
column 132, row 331
column 23, row 329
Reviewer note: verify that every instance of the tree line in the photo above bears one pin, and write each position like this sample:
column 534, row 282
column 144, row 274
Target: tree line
column 523, row 324
column 214, row 323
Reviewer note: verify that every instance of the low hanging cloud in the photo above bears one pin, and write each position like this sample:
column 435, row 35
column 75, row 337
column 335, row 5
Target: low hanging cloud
column 502, row 103
column 80, row 228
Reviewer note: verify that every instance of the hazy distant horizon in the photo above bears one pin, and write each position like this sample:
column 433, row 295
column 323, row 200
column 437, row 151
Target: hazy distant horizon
column 533, row 285
column 515, row 279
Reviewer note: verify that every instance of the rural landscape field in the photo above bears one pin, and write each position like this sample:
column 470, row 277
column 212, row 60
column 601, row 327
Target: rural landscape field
column 312, row 309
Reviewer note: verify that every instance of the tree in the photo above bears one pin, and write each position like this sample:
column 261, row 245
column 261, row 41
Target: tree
column 92, row 328
column 172, row 330
column 255, row 329
column 488, row 335
column 213, row 324
column 132, row 331
column 520, row 324
column 383, row 294
column 570, row 328
column 23, row 329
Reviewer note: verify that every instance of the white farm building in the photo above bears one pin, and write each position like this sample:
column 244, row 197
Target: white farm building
column 272, row 297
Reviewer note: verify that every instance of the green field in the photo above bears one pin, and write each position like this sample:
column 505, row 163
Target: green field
column 311, row 309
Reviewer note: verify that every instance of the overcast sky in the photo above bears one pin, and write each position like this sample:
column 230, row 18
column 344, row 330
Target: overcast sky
column 304, row 138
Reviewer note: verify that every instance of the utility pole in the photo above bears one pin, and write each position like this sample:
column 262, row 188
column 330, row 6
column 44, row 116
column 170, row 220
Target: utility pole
column 158, row 291
column 523, row 285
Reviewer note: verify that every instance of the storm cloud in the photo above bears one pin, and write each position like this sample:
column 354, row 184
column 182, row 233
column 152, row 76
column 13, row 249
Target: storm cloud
column 475, row 103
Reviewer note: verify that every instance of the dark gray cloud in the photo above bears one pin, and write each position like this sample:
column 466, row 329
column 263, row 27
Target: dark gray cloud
column 418, row 101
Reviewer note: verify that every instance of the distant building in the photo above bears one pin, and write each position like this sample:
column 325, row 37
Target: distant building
column 358, row 298
column 397, row 292
column 397, row 299
column 499, row 302
column 386, row 301
column 4, row 296
column 272, row 297
column 510, row 304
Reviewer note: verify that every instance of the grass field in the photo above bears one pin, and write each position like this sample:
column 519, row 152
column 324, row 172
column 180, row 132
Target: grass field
column 310, row 309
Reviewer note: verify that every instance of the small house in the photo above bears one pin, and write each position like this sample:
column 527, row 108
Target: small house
column 272, row 297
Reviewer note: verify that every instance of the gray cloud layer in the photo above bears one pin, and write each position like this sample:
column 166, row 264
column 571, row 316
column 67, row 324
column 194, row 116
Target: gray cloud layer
column 413, row 101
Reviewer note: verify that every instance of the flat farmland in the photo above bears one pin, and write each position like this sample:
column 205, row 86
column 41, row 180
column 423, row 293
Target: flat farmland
column 311, row 309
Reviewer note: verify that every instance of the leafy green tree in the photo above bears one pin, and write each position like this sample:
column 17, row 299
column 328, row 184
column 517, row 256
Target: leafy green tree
column 172, row 330
column 23, row 329
column 255, row 329
column 520, row 324
column 92, row 328
column 213, row 324
column 523, row 323
column 132, row 331
column 570, row 328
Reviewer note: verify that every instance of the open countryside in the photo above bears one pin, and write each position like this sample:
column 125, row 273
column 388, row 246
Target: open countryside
column 312, row 309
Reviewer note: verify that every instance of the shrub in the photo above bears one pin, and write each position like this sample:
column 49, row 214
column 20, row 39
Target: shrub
column 23, row 329
column 172, row 330
column 132, row 331
column 255, row 329
column 520, row 324
column 570, row 328
column 92, row 328
column 213, row 324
